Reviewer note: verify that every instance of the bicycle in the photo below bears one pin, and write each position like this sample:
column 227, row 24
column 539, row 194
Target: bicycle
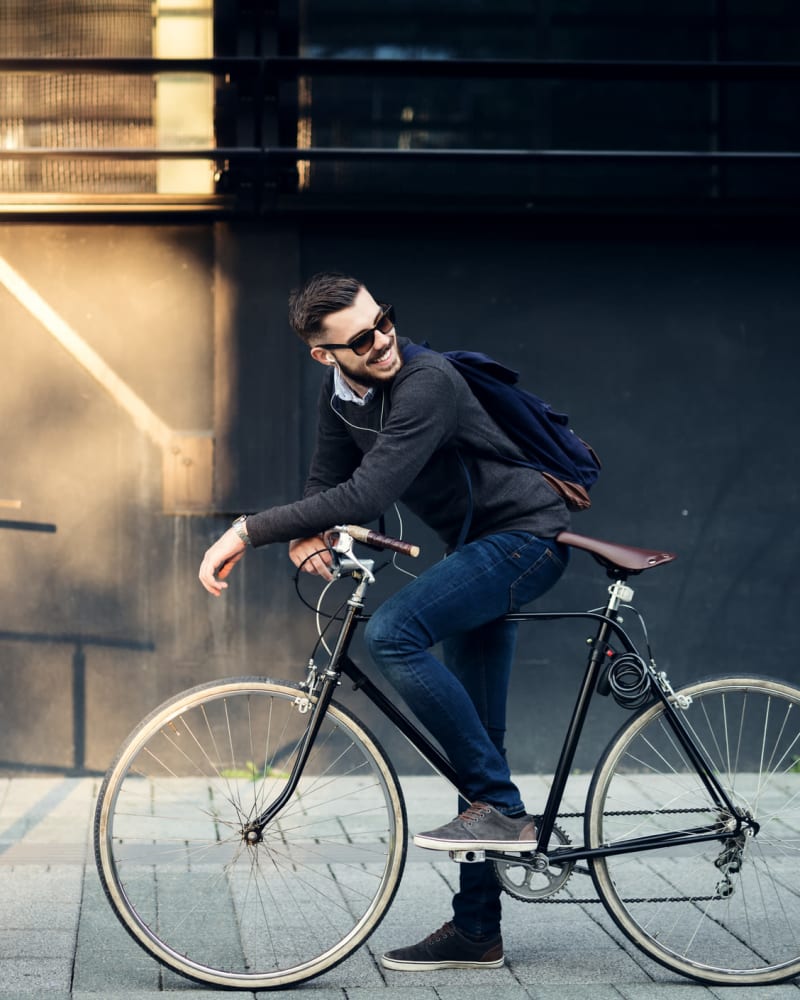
column 251, row 833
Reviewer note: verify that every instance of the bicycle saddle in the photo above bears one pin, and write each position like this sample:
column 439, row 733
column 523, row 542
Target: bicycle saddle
column 616, row 558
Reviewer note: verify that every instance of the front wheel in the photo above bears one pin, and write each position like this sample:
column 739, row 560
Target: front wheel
column 181, row 873
column 725, row 911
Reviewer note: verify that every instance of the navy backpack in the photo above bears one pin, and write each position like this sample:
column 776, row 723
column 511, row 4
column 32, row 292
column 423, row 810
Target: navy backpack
column 543, row 435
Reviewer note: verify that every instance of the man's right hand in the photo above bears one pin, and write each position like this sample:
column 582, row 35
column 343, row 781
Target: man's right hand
column 219, row 560
column 311, row 555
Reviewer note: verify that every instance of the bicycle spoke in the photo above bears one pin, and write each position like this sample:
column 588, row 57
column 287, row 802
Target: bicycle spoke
column 724, row 910
column 278, row 906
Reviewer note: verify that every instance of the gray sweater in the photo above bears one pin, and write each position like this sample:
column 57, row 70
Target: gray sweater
column 404, row 444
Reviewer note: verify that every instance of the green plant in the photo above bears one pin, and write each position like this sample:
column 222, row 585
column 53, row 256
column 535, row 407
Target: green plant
column 252, row 773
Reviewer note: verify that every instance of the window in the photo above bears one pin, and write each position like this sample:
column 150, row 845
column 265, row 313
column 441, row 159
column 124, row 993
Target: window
column 83, row 79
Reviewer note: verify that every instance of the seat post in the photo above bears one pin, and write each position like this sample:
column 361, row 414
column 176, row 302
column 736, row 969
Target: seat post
column 618, row 593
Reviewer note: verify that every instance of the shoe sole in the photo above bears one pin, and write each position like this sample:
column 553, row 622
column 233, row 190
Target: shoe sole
column 434, row 844
column 400, row 966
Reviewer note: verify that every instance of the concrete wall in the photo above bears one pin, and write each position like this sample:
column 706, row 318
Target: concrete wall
column 671, row 345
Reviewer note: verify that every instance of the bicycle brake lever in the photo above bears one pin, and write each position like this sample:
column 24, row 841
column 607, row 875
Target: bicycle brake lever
column 339, row 542
column 343, row 547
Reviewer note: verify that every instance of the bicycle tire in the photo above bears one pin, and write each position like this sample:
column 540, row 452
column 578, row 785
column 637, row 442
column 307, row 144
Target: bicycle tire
column 719, row 912
column 172, row 857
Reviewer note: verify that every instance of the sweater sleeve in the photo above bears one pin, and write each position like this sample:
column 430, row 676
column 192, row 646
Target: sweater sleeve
column 422, row 417
column 336, row 455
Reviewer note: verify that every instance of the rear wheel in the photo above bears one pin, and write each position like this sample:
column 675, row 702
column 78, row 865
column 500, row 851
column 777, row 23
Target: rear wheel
column 179, row 870
column 725, row 911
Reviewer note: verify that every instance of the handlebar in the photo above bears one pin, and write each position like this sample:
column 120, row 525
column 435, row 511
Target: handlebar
column 379, row 541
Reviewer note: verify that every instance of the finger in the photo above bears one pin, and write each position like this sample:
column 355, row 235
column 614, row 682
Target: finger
column 301, row 551
column 320, row 564
column 208, row 574
column 223, row 571
column 310, row 563
column 209, row 581
column 298, row 556
column 320, row 569
column 212, row 586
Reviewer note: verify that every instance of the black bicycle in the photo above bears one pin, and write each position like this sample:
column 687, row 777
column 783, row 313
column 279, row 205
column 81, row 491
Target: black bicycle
column 252, row 833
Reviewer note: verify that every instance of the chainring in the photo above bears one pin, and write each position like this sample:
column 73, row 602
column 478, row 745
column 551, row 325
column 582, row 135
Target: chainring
column 526, row 880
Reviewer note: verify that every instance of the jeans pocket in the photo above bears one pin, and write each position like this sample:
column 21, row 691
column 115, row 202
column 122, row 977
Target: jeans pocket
column 544, row 571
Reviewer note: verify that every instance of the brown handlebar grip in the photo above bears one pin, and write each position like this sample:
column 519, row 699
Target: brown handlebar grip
column 382, row 541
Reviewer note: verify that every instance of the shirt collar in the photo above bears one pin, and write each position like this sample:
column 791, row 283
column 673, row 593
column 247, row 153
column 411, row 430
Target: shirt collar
column 343, row 391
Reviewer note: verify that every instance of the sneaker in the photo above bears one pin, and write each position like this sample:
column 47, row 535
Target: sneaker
column 481, row 828
column 446, row 948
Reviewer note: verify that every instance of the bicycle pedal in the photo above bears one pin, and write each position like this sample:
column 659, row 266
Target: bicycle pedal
column 467, row 857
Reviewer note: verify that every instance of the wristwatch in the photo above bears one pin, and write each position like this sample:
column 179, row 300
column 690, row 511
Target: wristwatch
column 240, row 527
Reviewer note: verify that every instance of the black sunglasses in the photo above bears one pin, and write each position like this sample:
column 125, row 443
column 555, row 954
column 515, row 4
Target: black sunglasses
column 362, row 343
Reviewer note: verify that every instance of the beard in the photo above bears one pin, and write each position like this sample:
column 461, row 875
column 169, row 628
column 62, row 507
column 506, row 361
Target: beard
column 363, row 378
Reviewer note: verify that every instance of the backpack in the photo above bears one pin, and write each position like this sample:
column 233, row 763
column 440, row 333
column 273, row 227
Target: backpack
column 543, row 435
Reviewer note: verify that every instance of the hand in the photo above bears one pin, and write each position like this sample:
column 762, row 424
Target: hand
column 219, row 560
column 305, row 553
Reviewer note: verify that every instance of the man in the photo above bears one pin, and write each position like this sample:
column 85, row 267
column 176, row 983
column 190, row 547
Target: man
column 393, row 429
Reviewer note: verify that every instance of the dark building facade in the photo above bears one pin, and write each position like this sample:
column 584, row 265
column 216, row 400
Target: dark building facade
column 600, row 194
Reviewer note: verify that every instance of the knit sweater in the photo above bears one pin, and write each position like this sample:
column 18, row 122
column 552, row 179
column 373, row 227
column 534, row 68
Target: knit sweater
column 404, row 444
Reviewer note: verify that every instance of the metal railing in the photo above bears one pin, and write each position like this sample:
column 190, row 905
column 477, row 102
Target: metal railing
column 261, row 76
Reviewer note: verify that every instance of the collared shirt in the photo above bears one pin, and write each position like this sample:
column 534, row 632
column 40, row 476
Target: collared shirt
column 346, row 394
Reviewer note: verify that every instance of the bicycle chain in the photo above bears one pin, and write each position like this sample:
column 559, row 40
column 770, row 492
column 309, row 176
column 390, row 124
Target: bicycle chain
column 642, row 899
column 640, row 812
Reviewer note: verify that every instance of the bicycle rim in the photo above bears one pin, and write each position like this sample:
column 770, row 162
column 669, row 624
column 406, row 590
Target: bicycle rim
column 175, row 865
column 725, row 911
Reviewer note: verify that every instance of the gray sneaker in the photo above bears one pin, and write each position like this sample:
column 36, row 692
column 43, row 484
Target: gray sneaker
column 481, row 828
column 446, row 948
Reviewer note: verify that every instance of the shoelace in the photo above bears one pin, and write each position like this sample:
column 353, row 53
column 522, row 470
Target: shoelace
column 445, row 931
column 478, row 810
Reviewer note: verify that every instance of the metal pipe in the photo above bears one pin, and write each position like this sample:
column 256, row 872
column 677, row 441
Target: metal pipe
column 290, row 154
column 290, row 67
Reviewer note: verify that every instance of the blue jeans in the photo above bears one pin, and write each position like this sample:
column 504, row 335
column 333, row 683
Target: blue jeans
column 460, row 602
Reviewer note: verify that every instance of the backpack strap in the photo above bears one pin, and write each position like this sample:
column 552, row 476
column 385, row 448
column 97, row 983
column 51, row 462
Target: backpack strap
column 462, row 535
column 411, row 351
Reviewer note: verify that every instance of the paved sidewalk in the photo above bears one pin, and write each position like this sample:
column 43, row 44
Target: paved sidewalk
column 60, row 940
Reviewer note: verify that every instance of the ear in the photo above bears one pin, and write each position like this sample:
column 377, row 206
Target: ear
column 321, row 355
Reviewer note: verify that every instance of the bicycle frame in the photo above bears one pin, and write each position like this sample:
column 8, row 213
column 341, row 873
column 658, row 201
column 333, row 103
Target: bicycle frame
column 321, row 687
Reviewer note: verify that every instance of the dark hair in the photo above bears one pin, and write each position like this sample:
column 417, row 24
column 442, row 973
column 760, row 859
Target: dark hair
column 321, row 295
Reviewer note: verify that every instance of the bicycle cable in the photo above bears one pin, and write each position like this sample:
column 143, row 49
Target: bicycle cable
column 297, row 577
column 642, row 623
column 400, row 569
column 319, row 614
column 626, row 675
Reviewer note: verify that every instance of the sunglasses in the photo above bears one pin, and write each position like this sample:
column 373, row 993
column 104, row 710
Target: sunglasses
column 363, row 342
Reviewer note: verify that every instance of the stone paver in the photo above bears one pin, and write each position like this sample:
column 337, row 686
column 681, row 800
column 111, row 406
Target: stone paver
column 60, row 939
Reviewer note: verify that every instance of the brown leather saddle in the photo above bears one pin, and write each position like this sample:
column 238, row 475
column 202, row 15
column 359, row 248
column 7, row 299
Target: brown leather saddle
column 618, row 560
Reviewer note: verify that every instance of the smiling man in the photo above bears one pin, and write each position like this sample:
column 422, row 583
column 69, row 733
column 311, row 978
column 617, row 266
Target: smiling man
column 411, row 430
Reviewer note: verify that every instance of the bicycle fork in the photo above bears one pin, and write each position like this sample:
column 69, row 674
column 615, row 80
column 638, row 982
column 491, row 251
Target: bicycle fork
column 319, row 687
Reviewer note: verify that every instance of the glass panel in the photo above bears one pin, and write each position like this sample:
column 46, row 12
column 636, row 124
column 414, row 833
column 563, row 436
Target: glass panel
column 477, row 111
column 89, row 110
